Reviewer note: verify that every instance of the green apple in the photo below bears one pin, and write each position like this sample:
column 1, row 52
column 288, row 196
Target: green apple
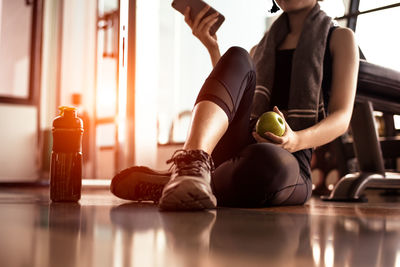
column 270, row 122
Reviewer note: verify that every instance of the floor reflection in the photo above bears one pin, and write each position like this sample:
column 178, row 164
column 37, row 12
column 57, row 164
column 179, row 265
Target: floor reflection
column 278, row 240
column 64, row 232
column 98, row 232
column 356, row 241
column 206, row 238
column 138, row 229
column 243, row 236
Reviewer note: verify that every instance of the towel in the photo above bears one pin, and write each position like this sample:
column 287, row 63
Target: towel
column 305, row 104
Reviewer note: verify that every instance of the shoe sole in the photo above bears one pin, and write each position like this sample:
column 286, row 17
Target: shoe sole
column 139, row 183
column 187, row 194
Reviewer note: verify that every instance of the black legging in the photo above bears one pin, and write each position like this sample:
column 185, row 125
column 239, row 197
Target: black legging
column 249, row 174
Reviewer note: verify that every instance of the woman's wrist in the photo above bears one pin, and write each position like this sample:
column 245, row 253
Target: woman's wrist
column 296, row 141
column 214, row 54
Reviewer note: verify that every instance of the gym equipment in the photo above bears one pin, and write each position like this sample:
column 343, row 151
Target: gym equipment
column 378, row 89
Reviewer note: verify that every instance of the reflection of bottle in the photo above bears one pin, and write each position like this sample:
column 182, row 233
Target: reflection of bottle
column 66, row 157
column 64, row 232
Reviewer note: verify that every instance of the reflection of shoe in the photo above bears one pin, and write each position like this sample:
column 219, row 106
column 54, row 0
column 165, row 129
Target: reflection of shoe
column 134, row 217
column 139, row 183
column 189, row 231
column 183, row 225
column 189, row 187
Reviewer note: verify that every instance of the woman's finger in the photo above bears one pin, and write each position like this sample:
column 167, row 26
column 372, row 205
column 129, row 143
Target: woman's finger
column 199, row 16
column 207, row 22
column 274, row 138
column 259, row 139
column 187, row 17
column 276, row 109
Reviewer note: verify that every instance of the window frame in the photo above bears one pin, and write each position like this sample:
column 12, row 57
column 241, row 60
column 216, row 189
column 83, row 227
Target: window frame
column 35, row 58
column 354, row 12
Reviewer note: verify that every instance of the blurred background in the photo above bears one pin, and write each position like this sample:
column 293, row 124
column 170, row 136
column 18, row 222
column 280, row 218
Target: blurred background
column 133, row 69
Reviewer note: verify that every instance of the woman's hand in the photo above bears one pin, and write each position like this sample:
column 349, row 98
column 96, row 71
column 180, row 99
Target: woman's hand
column 289, row 140
column 201, row 29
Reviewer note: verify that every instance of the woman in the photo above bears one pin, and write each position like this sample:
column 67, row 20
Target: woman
column 301, row 65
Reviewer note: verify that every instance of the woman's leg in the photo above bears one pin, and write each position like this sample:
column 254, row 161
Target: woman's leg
column 261, row 175
column 215, row 111
column 225, row 99
column 208, row 125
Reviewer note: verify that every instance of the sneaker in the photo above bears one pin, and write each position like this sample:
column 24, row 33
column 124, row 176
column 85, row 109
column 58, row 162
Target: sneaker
column 189, row 187
column 140, row 183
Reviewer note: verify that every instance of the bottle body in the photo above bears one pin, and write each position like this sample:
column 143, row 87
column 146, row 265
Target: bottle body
column 66, row 157
column 66, row 176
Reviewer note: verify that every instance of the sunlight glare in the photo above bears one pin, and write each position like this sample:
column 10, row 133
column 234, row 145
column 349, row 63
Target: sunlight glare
column 316, row 251
column 122, row 92
column 147, row 73
column 397, row 122
column 329, row 254
column 118, row 250
column 397, row 262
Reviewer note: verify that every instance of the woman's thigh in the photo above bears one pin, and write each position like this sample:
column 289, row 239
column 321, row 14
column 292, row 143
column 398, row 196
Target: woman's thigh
column 260, row 175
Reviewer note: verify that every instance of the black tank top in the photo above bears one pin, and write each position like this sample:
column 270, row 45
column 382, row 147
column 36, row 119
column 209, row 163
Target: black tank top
column 283, row 71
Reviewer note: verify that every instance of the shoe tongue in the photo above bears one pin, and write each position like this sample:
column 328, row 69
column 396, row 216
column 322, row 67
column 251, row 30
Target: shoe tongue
column 196, row 154
column 190, row 156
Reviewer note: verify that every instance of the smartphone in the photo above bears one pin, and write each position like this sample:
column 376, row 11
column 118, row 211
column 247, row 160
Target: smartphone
column 195, row 7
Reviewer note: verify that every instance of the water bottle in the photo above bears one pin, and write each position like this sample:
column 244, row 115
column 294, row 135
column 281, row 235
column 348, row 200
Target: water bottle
column 66, row 156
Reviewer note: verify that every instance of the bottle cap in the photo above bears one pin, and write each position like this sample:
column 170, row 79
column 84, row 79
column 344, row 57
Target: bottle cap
column 65, row 108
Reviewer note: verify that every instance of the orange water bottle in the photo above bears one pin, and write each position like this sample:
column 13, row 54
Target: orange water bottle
column 66, row 156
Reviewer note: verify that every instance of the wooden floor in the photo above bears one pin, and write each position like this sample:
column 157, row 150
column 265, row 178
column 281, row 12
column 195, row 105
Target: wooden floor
column 102, row 230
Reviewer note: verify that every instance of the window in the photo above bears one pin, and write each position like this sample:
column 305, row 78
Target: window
column 20, row 42
column 374, row 23
column 377, row 36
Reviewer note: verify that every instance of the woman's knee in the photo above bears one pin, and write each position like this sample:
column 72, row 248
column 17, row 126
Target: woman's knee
column 239, row 55
column 261, row 171
column 278, row 175
column 269, row 160
column 237, row 50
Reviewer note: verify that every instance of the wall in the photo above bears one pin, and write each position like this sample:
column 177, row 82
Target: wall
column 18, row 140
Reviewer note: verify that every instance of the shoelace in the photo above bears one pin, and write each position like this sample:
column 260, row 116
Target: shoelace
column 190, row 162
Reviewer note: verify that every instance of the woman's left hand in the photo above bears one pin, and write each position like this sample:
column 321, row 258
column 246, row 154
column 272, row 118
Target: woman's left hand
column 288, row 141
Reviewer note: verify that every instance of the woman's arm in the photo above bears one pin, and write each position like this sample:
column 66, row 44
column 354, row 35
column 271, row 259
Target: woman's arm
column 201, row 29
column 344, row 81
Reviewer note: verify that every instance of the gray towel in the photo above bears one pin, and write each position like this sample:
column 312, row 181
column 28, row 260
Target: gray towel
column 305, row 106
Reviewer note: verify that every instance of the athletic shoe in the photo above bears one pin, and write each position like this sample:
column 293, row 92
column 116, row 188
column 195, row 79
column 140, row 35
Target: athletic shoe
column 140, row 183
column 189, row 187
